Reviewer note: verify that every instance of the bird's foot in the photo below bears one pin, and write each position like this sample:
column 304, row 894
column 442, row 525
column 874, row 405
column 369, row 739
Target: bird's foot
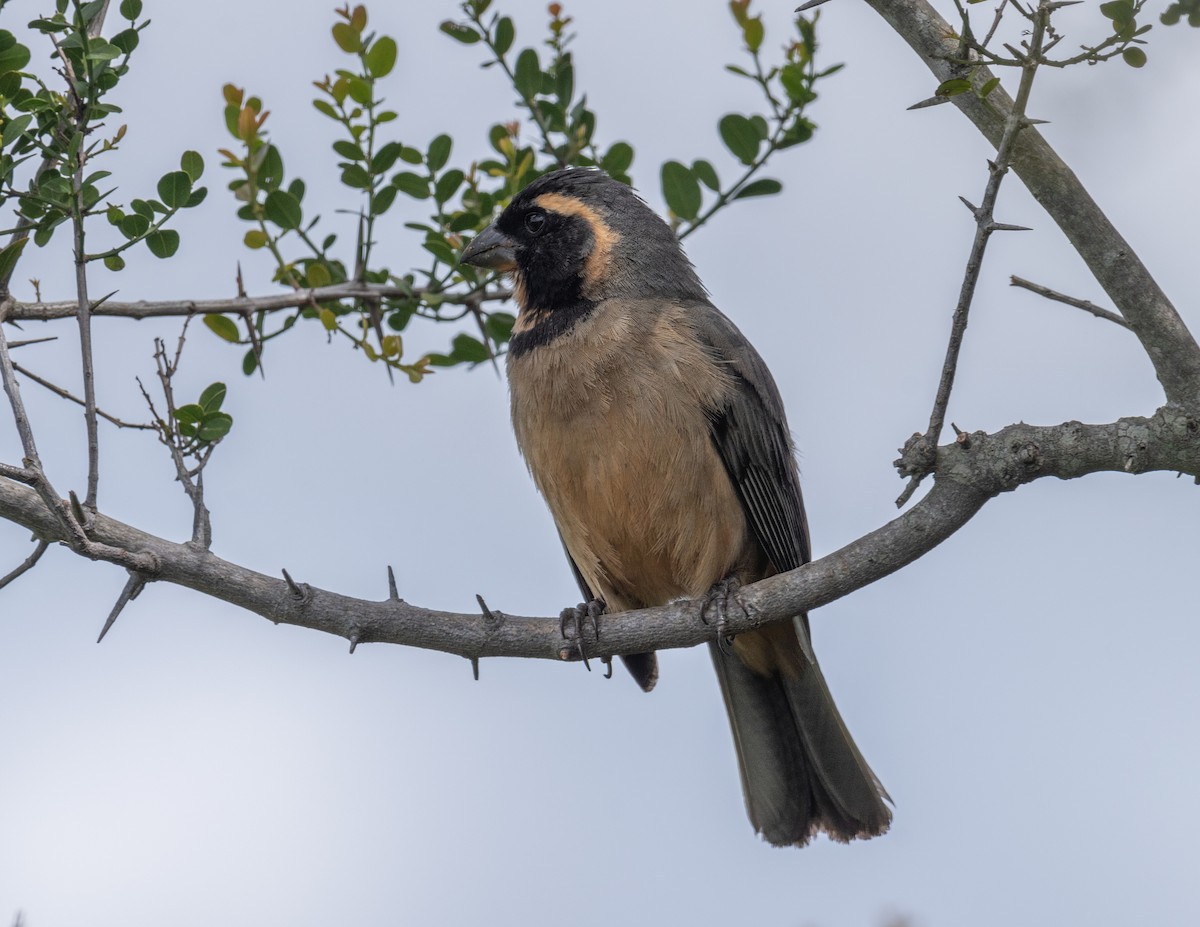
column 717, row 601
column 574, row 619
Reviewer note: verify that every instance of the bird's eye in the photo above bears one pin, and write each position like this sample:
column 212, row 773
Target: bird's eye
column 535, row 222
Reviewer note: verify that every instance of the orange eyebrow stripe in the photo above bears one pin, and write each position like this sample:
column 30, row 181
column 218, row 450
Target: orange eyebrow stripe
column 605, row 237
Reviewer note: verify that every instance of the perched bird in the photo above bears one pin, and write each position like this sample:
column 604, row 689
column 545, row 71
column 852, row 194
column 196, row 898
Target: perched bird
column 657, row 436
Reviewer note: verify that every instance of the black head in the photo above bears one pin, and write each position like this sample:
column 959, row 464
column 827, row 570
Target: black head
column 575, row 237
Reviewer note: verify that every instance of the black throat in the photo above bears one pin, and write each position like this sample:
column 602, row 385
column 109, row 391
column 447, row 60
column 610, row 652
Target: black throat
column 547, row 325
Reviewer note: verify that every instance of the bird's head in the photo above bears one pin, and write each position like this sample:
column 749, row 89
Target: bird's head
column 575, row 237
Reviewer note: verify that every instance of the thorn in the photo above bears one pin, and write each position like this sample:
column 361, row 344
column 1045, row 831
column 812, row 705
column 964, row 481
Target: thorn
column 1005, row 227
column 932, row 101
column 487, row 612
column 812, row 4
column 102, row 300
column 474, row 667
column 393, row 592
column 133, row 587
column 961, row 438
column 296, row 590
column 241, row 285
column 1059, row 4
column 1029, row 121
column 78, row 512
column 353, row 641
column 971, row 206
column 607, row 661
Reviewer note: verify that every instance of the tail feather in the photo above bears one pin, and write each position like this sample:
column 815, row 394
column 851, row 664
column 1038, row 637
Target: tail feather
column 801, row 771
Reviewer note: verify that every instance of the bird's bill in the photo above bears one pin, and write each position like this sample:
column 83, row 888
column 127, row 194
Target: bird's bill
column 491, row 248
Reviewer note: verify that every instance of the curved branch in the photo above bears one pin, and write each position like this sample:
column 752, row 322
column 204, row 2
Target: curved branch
column 970, row 471
column 1169, row 344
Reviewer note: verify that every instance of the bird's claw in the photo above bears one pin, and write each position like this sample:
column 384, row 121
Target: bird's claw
column 575, row 618
column 717, row 600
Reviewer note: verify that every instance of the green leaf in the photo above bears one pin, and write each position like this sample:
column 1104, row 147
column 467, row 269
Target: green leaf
column 131, row 9
column 1134, row 57
column 360, row 90
column 214, row 426
column 385, row 157
column 174, row 188
column 356, row 176
column 283, row 209
column 987, row 88
column 163, row 242
column 707, row 175
column 256, row 238
column 618, row 158
column 114, row 262
column 15, row 128
column 192, row 164
column 349, row 150
column 412, row 184
column 9, row 256
column 134, row 226
column 763, row 187
column 382, row 57
column 460, row 33
column 213, row 396
column 680, row 190
column 505, row 33
column 126, row 40
column 740, row 137
column 14, row 55
column 383, row 199
column 1119, row 11
column 439, row 152
column 468, row 349
column 447, row 184
column 318, row 275
column 752, row 32
column 953, row 87
column 527, row 77
column 250, row 362
column 189, row 415
column 347, row 37
column 223, row 326
column 100, row 50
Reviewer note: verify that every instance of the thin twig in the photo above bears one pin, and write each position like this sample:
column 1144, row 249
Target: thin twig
column 59, row 391
column 192, row 480
column 29, row 564
column 294, row 299
column 1069, row 300
column 985, row 225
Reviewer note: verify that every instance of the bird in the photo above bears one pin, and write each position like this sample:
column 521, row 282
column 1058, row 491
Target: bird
column 657, row 437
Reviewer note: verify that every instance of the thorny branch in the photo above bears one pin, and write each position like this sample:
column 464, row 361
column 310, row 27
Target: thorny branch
column 985, row 225
column 969, row 474
column 191, row 479
column 1169, row 345
column 293, row 299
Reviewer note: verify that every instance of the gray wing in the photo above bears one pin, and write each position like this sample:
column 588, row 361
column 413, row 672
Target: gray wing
column 751, row 436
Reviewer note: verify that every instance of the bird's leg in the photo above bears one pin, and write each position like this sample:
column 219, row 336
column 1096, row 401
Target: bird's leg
column 575, row 618
column 717, row 600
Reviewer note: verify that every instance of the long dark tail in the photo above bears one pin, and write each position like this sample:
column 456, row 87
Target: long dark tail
column 801, row 772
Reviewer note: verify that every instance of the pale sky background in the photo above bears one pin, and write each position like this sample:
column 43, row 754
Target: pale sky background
column 1027, row 692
